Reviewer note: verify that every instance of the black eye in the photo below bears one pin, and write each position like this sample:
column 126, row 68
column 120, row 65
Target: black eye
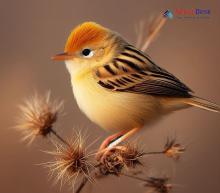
column 86, row 52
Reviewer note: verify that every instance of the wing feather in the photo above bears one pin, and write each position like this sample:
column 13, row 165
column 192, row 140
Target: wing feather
column 134, row 71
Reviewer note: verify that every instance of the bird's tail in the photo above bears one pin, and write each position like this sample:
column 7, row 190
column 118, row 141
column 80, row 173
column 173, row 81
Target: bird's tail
column 203, row 104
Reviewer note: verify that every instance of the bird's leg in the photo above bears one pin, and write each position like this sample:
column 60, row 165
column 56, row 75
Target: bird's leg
column 113, row 140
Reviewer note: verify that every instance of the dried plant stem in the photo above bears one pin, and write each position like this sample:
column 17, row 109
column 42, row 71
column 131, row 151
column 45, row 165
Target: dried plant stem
column 59, row 137
column 85, row 180
column 82, row 185
column 153, row 153
column 134, row 177
column 154, row 32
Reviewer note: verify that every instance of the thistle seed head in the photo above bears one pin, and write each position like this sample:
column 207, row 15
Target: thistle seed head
column 158, row 185
column 38, row 115
column 173, row 149
column 120, row 157
column 70, row 161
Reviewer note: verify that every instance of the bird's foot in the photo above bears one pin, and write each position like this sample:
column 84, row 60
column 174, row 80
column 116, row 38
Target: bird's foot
column 107, row 145
column 110, row 143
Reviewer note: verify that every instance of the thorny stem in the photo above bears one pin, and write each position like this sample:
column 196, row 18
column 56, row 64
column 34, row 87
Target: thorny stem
column 59, row 137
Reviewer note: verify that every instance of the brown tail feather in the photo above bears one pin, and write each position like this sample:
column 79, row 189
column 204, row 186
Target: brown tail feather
column 203, row 104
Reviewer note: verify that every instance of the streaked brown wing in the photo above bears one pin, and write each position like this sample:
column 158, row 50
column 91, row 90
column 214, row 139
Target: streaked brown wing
column 133, row 71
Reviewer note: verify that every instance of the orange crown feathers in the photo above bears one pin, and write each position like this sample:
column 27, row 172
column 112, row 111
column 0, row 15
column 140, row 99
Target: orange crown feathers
column 84, row 34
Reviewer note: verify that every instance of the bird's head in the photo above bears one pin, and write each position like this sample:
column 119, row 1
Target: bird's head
column 89, row 45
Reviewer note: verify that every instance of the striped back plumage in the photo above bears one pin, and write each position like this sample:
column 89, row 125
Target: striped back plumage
column 134, row 71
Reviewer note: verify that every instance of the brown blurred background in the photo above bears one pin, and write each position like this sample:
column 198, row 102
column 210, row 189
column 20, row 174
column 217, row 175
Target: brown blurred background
column 33, row 31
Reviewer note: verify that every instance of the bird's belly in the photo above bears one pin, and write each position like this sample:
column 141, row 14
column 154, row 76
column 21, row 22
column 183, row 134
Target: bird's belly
column 114, row 111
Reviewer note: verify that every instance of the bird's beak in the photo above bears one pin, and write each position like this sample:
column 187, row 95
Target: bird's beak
column 62, row 57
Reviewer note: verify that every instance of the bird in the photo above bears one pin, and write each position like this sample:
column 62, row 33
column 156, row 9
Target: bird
column 119, row 87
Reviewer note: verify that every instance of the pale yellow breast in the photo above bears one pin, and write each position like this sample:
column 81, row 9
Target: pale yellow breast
column 113, row 110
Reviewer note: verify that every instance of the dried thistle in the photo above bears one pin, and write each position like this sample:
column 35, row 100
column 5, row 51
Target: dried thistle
column 158, row 185
column 131, row 155
column 173, row 149
column 38, row 115
column 70, row 161
column 120, row 157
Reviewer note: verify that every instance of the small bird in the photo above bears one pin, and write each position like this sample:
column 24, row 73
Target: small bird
column 118, row 86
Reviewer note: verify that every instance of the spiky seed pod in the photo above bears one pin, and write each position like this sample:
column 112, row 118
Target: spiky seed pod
column 120, row 157
column 70, row 162
column 173, row 149
column 131, row 155
column 38, row 115
column 158, row 185
column 112, row 163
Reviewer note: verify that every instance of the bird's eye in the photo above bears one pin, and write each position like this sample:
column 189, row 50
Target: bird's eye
column 87, row 53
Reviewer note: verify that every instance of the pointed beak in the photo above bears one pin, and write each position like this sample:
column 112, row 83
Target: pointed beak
column 62, row 57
